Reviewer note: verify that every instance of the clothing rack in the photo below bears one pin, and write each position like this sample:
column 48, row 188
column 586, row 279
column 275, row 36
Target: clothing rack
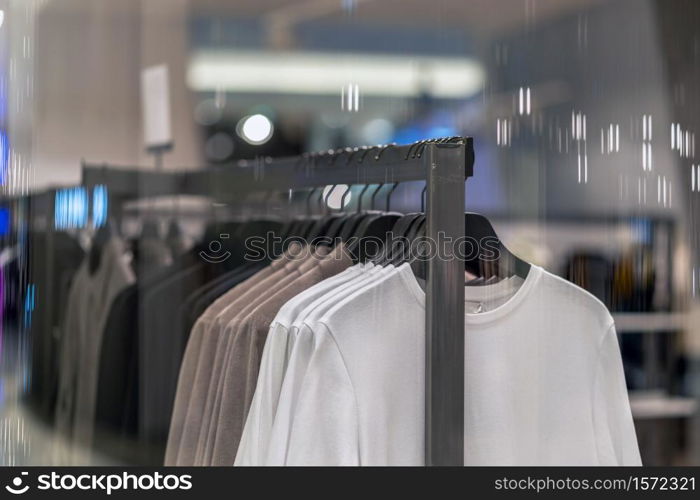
column 444, row 164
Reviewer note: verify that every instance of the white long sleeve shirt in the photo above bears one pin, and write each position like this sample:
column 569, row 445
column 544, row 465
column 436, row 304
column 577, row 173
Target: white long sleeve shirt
column 543, row 379
column 299, row 360
column 255, row 437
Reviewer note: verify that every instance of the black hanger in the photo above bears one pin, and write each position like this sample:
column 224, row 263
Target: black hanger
column 491, row 257
column 320, row 227
column 299, row 225
column 306, row 226
column 488, row 258
column 338, row 224
column 396, row 250
column 293, row 227
column 419, row 266
column 352, row 225
column 417, row 228
column 358, row 221
column 290, row 229
column 302, row 226
column 343, row 229
column 374, row 226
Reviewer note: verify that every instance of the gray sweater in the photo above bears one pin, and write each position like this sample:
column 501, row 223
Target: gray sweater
column 89, row 301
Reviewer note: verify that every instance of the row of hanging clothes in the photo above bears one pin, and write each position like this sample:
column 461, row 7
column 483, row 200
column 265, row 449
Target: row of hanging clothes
column 236, row 354
column 75, row 279
column 98, row 382
column 127, row 305
column 319, row 359
column 51, row 260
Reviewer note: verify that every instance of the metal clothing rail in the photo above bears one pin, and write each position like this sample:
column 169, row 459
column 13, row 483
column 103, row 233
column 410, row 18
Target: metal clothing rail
column 444, row 164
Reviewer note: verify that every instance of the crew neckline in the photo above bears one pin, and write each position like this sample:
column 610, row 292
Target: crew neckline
column 523, row 291
column 492, row 291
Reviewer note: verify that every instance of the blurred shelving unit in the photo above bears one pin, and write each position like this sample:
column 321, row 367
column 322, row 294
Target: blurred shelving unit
column 647, row 405
column 649, row 322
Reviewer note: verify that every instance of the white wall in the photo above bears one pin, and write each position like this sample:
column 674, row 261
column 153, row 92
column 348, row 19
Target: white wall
column 88, row 59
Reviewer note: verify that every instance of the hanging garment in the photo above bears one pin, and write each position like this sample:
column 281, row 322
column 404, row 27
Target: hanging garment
column 198, row 301
column 162, row 339
column 202, row 348
column 277, row 351
column 229, row 321
column 117, row 396
column 244, row 356
column 189, row 367
column 300, row 346
column 159, row 344
column 55, row 258
column 89, row 301
column 544, row 380
column 273, row 366
column 117, row 410
column 150, row 255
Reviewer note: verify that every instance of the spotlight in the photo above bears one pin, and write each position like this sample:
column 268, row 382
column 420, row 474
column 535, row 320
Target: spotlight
column 255, row 129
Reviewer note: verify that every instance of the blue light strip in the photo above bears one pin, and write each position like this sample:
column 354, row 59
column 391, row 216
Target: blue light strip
column 4, row 156
column 100, row 203
column 71, row 208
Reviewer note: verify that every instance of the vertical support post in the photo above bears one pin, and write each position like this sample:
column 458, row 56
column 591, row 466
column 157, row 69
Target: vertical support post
column 444, row 370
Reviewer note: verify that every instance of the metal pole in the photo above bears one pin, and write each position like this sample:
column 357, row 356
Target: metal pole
column 444, row 369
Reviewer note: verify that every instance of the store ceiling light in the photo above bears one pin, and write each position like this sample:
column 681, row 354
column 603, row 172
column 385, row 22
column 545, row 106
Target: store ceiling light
column 255, row 129
column 316, row 73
